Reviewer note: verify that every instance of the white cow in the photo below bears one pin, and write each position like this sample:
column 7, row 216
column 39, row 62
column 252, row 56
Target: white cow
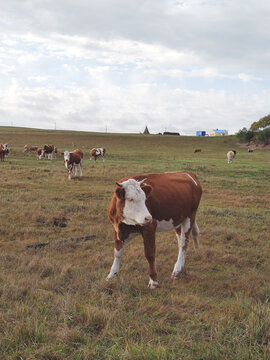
column 231, row 155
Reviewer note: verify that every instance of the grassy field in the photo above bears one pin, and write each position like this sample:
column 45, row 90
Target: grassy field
column 55, row 302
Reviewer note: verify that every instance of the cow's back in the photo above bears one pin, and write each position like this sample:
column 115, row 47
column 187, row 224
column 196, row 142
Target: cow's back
column 173, row 195
column 78, row 152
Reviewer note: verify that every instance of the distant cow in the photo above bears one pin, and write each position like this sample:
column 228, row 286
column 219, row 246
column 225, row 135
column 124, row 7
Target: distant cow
column 231, row 155
column 39, row 151
column 4, row 151
column 197, row 150
column 74, row 158
column 250, row 150
column 149, row 203
column 48, row 150
column 27, row 148
column 98, row 152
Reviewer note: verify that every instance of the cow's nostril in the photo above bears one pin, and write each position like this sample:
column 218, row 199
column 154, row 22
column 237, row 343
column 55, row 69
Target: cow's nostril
column 148, row 219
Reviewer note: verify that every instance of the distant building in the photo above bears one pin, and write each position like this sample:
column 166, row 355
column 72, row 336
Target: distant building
column 146, row 131
column 218, row 132
column 200, row 133
column 170, row 133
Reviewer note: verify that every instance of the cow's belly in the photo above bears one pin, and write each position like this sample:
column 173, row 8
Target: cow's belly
column 165, row 225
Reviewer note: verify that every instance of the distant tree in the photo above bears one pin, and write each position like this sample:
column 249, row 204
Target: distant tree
column 261, row 124
column 245, row 135
column 264, row 136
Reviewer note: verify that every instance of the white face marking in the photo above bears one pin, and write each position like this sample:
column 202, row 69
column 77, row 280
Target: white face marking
column 41, row 154
column 66, row 158
column 192, row 179
column 135, row 211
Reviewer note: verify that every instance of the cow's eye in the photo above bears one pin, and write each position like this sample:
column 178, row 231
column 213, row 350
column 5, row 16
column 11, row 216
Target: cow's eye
column 131, row 200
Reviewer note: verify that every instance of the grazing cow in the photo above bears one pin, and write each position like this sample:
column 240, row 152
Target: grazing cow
column 4, row 151
column 145, row 204
column 71, row 159
column 29, row 148
column 231, row 155
column 197, row 150
column 98, row 152
column 250, row 150
column 48, row 150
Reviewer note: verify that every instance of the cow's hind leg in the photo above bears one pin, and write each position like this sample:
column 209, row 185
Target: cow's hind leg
column 81, row 167
column 182, row 235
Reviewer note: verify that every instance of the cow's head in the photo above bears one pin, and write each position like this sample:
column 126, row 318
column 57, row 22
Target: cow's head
column 133, row 196
column 66, row 158
column 5, row 146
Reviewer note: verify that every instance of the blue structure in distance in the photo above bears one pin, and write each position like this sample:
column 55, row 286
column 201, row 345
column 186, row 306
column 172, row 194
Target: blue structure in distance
column 200, row 133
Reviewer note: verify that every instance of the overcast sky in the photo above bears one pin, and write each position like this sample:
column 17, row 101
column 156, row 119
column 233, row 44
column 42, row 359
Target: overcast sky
column 175, row 65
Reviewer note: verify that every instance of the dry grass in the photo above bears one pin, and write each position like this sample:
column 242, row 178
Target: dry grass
column 55, row 302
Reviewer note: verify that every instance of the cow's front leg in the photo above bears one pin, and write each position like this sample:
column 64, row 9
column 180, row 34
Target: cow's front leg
column 69, row 169
column 76, row 169
column 118, row 252
column 149, row 240
column 119, row 249
column 182, row 234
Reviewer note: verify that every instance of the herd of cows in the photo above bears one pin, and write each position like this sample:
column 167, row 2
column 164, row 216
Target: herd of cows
column 71, row 159
column 143, row 204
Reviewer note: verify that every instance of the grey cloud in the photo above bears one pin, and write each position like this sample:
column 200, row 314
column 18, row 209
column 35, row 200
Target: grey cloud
column 231, row 34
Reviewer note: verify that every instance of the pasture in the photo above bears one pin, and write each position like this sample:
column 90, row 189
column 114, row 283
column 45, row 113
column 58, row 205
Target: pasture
column 55, row 302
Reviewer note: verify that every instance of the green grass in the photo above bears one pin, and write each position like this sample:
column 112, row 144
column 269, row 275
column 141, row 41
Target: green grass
column 55, row 302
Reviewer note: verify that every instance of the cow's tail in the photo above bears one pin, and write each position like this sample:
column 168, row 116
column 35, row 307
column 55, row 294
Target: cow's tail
column 195, row 235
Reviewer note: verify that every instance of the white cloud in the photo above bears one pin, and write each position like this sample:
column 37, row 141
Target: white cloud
column 38, row 78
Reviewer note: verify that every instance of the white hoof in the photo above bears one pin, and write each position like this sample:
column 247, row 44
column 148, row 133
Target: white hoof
column 111, row 276
column 153, row 284
column 177, row 274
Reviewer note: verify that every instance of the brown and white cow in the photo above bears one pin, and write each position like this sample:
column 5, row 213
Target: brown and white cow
column 98, row 152
column 149, row 203
column 48, row 150
column 74, row 158
column 39, row 151
column 4, row 151
column 231, row 155
column 27, row 148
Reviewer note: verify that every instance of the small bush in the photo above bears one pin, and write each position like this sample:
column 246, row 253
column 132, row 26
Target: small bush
column 245, row 135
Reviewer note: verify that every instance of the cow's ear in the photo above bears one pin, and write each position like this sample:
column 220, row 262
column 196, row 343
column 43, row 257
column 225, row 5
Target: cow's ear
column 120, row 193
column 147, row 189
